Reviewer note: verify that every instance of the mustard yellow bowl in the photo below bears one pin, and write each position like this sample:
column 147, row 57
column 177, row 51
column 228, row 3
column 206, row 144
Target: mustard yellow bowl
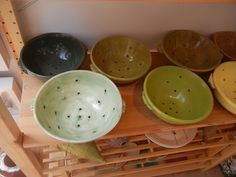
column 223, row 82
column 121, row 58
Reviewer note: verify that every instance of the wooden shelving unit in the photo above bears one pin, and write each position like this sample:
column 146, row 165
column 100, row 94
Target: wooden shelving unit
column 37, row 154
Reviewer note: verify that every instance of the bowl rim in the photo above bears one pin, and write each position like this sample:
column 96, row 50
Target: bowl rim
column 56, row 34
column 217, row 87
column 92, row 58
column 186, row 67
column 76, row 141
column 168, row 118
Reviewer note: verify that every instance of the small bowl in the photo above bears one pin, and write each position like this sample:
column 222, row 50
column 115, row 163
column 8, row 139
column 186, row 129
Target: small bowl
column 223, row 82
column 190, row 50
column 121, row 58
column 173, row 139
column 50, row 54
column 78, row 106
column 177, row 95
column 226, row 42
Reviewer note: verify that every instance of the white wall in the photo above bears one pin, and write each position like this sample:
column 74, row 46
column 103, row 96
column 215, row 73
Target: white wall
column 91, row 20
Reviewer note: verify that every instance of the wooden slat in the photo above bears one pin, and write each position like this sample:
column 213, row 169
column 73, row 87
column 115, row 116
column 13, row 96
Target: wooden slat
column 142, row 156
column 161, row 166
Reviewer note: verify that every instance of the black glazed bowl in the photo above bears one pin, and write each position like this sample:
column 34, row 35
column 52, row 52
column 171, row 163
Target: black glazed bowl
column 50, row 54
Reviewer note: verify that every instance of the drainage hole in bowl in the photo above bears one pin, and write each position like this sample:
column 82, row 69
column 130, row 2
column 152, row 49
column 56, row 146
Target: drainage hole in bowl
column 99, row 101
column 180, row 77
column 55, row 112
column 103, row 115
column 175, row 90
column 58, row 127
column 170, row 108
column 114, row 109
column 223, row 69
column 49, row 127
column 189, row 90
column 94, row 131
column 78, row 93
column 176, row 112
column 89, row 117
column 105, row 91
column 76, row 80
column 173, row 103
column 140, row 64
column 58, row 87
column 80, row 109
column 68, row 116
column 79, row 117
column 118, row 69
column 78, row 125
column 224, row 79
column 44, row 107
column 128, row 68
column 167, row 82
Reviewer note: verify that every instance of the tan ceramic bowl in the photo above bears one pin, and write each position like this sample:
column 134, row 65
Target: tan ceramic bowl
column 190, row 50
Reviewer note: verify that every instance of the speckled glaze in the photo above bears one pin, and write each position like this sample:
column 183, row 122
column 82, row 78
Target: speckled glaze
column 226, row 42
column 190, row 50
column 78, row 106
column 223, row 82
column 177, row 95
column 121, row 58
column 50, row 54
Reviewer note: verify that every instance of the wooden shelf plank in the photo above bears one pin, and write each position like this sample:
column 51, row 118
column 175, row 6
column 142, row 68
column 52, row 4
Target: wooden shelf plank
column 137, row 119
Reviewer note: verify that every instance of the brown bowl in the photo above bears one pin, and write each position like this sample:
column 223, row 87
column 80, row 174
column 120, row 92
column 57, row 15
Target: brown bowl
column 226, row 42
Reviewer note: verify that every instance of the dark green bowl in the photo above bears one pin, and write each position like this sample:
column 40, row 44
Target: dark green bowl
column 50, row 54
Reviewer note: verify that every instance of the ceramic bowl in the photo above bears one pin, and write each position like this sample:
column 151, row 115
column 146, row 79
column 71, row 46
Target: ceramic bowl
column 223, row 82
column 78, row 106
column 173, row 139
column 50, row 54
column 226, row 42
column 121, row 58
column 177, row 95
column 190, row 50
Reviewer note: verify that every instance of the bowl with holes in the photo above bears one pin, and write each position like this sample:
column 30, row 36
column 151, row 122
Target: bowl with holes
column 177, row 95
column 226, row 42
column 191, row 50
column 50, row 54
column 173, row 139
column 121, row 58
column 223, row 82
column 78, row 106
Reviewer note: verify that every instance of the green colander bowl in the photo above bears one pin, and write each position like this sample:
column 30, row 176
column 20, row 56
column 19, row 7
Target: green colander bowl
column 177, row 95
column 121, row 58
column 78, row 106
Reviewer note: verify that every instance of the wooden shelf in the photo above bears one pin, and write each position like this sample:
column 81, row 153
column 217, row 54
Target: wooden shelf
column 137, row 119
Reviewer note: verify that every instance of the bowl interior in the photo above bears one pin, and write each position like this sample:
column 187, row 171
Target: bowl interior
column 53, row 53
column 121, row 57
column 226, row 41
column 78, row 106
column 178, row 93
column 225, row 80
column 191, row 50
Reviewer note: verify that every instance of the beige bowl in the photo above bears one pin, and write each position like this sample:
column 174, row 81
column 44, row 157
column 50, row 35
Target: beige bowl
column 223, row 82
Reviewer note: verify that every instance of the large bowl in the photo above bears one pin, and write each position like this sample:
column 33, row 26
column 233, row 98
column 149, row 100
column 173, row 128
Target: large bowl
column 78, row 106
column 226, row 42
column 223, row 82
column 177, row 95
column 50, row 54
column 190, row 50
column 122, row 59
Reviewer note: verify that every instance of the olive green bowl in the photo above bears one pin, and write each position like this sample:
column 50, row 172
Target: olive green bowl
column 177, row 95
column 121, row 58
column 190, row 50
column 78, row 106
